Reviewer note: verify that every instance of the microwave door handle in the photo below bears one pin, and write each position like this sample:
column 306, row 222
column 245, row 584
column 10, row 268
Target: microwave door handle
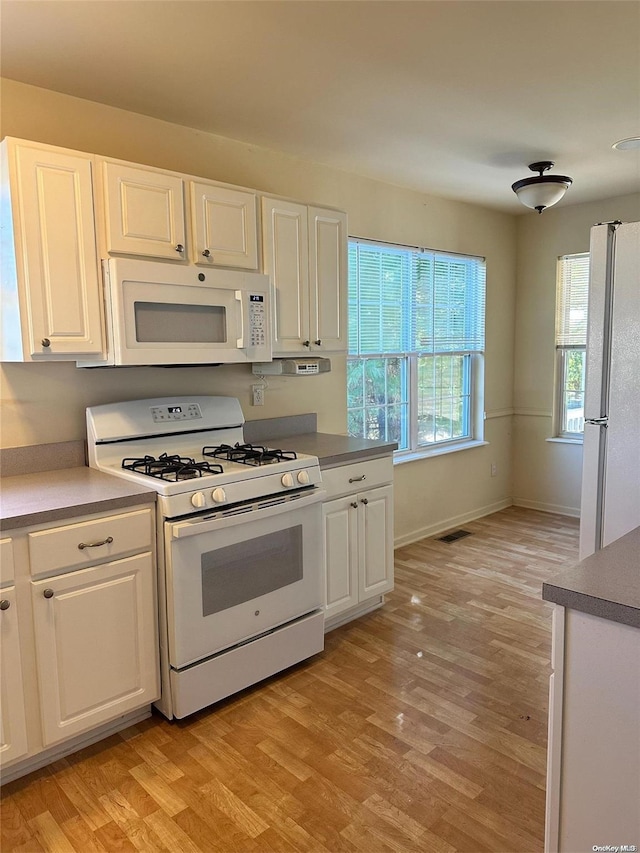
column 240, row 341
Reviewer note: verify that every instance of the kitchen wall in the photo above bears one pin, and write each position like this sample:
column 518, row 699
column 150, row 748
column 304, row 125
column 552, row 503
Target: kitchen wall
column 546, row 474
column 45, row 403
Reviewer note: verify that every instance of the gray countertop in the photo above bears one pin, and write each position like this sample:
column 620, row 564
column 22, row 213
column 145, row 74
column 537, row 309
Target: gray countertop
column 606, row 584
column 333, row 450
column 49, row 496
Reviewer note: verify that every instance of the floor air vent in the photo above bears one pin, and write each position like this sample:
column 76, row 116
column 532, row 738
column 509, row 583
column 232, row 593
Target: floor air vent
column 453, row 537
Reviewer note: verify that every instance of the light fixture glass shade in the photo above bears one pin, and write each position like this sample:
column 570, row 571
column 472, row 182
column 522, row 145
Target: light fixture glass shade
column 541, row 192
column 538, row 195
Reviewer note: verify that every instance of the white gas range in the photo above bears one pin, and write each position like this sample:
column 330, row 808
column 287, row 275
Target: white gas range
column 239, row 542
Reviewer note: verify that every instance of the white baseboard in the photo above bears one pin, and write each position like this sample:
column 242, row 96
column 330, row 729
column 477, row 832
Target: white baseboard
column 453, row 521
column 556, row 509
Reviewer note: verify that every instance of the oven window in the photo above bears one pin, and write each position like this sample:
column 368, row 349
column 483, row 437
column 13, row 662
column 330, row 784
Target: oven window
column 169, row 322
column 247, row 570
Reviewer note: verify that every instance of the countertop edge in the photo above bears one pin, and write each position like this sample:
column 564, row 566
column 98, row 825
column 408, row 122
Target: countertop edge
column 612, row 610
column 74, row 511
column 604, row 584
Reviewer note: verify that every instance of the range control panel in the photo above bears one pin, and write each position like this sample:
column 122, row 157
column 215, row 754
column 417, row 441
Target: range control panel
column 189, row 412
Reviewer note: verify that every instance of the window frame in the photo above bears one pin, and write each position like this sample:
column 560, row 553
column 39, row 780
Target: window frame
column 475, row 411
column 562, row 359
column 562, row 352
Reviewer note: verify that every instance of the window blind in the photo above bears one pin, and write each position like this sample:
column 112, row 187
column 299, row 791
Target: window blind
column 572, row 300
column 404, row 300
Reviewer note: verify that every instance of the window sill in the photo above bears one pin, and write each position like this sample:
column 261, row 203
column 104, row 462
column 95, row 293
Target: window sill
column 559, row 440
column 400, row 457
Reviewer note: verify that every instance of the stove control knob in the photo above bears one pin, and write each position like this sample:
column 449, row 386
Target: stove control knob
column 303, row 478
column 198, row 500
column 287, row 481
column 219, row 496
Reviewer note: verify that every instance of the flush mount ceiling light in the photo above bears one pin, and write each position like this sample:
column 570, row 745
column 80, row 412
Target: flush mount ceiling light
column 627, row 144
column 544, row 190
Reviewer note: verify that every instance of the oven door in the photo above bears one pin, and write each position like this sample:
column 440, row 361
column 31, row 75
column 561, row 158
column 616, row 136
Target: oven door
column 241, row 572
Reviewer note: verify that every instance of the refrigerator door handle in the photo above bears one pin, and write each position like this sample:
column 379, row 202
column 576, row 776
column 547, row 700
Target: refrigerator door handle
column 597, row 421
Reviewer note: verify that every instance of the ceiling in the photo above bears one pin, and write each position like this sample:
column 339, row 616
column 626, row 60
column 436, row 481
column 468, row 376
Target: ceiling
column 452, row 98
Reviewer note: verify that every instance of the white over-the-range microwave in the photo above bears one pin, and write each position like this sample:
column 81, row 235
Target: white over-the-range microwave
column 158, row 313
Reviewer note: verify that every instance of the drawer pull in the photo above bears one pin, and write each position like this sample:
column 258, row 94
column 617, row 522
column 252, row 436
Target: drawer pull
column 357, row 479
column 4, row 604
column 84, row 545
column 48, row 593
column 364, row 501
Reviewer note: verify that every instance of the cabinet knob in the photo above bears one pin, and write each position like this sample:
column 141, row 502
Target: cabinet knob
column 206, row 253
column 306, row 343
column 318, row 342
column 4, row 604
column 84, row 545
column 354, row 504
column 179, row 248
column 364, row 501
column 46, row 342
column 48, row 593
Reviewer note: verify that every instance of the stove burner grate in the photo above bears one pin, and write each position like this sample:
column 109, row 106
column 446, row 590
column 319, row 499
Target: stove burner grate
column 248, row 454
column 173, row 468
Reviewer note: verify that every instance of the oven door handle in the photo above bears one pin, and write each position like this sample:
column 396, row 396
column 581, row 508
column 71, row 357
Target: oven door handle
column 207, row 523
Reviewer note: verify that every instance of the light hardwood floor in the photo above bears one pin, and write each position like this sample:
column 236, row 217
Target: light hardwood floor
column 422, row 727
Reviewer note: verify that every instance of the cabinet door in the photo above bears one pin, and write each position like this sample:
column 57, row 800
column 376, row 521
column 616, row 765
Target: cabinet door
column 13, row 729
column 56, row 255
column 144, row 212
column 375, row 535
column 340, row 554
column 328, row 279
column 286, row 261
column 96, row 645
column 224, row 227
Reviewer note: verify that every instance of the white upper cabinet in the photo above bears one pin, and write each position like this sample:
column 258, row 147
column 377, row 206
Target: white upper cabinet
column 286, row 261
column 305, row 253
column 328, row 278
column 50, row 283
column 144, row 212
column 224, row 226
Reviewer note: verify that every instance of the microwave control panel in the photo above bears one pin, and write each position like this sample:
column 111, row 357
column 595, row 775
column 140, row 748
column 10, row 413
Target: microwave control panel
column 160, row 414
column 257, row 320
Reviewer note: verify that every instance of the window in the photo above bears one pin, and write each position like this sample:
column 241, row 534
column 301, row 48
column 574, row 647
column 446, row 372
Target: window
column 571, row 338
column 416, row 342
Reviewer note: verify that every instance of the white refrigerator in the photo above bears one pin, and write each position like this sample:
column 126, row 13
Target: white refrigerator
column 610, row 504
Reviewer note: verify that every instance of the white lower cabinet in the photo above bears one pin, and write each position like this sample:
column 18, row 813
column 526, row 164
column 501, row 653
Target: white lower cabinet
column 593, row 758
column 95, row 652
column 358, row 538
column 13, row 724
column 86, row 658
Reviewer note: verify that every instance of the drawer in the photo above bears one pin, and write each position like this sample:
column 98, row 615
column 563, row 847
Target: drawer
column 357, row 476
column 73, row 546
column 7, row 568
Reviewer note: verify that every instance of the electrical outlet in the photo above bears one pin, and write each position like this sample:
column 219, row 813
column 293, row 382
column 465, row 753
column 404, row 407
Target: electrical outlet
column 257, row 395
column 494, row 469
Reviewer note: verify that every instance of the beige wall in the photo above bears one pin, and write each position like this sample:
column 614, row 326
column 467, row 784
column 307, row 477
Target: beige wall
column 547, row 475
column 45, row 403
